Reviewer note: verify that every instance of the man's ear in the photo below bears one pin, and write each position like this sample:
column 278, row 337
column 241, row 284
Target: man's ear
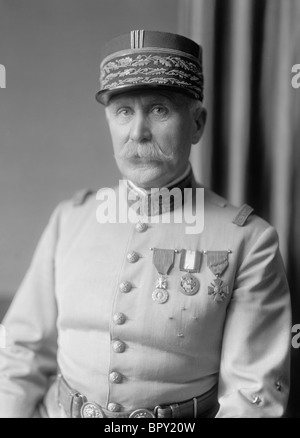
column 199, row 116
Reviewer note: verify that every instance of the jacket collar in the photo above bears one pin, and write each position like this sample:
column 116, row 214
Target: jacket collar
column 159, row 200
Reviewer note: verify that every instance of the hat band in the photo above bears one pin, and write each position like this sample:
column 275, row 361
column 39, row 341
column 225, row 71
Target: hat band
column 153, row 68
column 140, row 50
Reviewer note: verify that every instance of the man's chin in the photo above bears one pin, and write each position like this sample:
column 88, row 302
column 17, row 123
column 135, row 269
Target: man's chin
column 147, row 175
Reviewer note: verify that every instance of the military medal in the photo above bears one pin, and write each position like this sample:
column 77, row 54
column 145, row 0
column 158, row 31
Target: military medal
column 163, row 260
column 160, row 296
column 217, row 261
column 190, row 261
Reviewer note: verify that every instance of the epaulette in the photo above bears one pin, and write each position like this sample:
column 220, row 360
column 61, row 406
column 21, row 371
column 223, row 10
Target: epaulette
column 80, row 197
column 242, row 215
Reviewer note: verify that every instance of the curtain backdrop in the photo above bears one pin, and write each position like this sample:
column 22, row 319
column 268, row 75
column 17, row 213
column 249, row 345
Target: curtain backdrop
column 251, row 148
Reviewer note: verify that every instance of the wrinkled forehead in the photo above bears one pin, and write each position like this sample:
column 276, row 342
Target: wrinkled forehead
column 148, row 97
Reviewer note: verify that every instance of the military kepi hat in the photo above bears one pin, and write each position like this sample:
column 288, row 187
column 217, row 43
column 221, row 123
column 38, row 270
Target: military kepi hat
column 150, row 59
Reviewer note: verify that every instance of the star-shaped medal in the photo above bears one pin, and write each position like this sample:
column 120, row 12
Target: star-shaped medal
column 161, row 282
column 218, row 290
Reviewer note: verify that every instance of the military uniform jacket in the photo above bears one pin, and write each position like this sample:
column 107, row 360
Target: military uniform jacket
column 118, row 347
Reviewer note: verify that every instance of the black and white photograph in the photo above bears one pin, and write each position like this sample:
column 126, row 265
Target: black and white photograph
column 150, row 211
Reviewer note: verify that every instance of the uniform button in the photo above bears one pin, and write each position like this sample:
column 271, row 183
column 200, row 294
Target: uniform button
column 119, row 318
column 113, row 407
column 118, row 346
column 132, row 257
column 115, row 377
column 125, row 286
column 141, row 227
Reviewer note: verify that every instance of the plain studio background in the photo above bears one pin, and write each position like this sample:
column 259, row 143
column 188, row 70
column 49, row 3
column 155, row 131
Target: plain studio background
column 54, row 139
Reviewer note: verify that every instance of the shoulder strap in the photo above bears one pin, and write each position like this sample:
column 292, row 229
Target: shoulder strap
column 242, row 215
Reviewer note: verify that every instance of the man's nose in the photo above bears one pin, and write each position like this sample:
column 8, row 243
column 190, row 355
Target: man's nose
column 140, row 128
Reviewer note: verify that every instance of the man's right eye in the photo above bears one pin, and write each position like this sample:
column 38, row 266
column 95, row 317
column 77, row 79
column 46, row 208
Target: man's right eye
column 124, row 112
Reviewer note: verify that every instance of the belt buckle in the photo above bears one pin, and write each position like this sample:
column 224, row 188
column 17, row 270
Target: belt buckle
column 142, row 413
column 91, row 410
column 155, row 410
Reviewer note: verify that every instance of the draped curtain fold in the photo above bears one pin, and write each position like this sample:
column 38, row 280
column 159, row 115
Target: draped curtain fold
column 250, row 151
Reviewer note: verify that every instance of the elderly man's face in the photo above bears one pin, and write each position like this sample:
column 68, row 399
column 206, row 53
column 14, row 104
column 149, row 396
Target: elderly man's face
column 152, row 133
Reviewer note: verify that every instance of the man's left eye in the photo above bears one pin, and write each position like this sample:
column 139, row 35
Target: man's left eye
column 159, row 110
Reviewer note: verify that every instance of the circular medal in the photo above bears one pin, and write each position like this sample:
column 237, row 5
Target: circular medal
column 189, row 285
column 91, row 410
column 142, row 413
column 160, row 296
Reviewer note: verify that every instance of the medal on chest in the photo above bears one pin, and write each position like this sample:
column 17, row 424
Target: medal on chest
column 163, row 260
column 217, row 261
column 190, row 261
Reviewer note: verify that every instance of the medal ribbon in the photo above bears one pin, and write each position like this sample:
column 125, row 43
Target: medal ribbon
column 190, row 261
column 163, row 260
column 217, row 261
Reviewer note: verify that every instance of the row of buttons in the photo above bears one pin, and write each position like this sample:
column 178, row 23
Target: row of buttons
column 118, row 347
column 119, row 318
column 132, row 256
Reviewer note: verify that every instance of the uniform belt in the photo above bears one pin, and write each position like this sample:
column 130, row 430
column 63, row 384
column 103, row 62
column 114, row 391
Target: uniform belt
column 76, row 405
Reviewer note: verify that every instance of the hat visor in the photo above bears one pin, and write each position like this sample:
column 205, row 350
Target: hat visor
column 104, row 96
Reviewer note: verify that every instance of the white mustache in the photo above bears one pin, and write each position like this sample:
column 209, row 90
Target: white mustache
column 146, row 150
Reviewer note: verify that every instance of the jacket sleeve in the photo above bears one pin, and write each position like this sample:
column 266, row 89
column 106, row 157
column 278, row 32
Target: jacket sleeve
column 254, row 370
column 29, row 358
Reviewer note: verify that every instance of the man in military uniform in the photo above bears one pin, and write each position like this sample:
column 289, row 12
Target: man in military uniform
column 140, row 318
